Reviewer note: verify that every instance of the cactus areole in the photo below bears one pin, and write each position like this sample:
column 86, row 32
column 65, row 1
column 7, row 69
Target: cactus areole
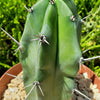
column 50, row 50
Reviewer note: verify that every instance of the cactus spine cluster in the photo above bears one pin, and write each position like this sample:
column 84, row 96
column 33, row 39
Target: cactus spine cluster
column 50, row 51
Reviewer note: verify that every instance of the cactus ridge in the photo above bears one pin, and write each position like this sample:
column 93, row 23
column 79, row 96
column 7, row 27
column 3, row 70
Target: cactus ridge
column 50, row 50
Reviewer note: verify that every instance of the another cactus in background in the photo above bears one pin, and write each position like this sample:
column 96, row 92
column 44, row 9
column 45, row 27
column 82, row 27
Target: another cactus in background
column 50, row 50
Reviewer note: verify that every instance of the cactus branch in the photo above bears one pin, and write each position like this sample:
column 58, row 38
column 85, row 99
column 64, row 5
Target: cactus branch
column 11, row 37
column 75, row 90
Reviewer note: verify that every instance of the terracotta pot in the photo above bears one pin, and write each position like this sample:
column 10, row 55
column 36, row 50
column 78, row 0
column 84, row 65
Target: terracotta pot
column 5, row 79
column 15, row 70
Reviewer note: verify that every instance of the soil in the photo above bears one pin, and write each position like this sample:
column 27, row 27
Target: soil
column 86, row 87
column 83, row 85
column 15, row 90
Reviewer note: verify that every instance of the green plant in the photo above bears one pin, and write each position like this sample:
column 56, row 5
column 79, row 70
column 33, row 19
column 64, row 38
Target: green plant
column 52, row 30
column 47, row 63
column 85, row 6
column 50, row 49
column 13, row 16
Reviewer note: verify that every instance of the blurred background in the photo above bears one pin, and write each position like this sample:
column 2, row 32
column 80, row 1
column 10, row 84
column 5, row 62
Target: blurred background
column 12, row 19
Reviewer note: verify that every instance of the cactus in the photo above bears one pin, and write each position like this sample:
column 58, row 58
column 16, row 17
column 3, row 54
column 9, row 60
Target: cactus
column 50, row 50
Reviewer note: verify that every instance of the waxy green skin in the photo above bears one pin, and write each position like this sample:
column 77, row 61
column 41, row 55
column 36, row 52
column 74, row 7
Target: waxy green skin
column 55, row 64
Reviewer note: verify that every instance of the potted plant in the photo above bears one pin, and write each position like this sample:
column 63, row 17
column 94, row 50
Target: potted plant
column 15, row 70
column 50, row 49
